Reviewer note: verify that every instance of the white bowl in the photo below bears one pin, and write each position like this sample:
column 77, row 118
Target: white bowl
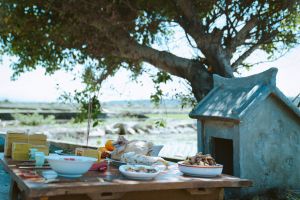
column 200, row 171
column 70, row 166
column 139, row 175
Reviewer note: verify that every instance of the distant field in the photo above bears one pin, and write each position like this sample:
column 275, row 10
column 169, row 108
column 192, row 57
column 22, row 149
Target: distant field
column 169, row 116
column 168, row 125
column 168, row 109
column 35, row 106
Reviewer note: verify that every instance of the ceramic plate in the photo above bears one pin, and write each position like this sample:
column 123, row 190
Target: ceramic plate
column 138, row 175
column 200, row 171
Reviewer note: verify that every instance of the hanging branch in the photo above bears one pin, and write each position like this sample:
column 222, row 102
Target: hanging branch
column 89, row 121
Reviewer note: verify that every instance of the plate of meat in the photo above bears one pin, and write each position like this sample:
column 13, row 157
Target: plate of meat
column 200, row 166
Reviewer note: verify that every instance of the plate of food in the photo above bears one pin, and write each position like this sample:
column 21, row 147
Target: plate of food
column 139, row 172
column 200, row 166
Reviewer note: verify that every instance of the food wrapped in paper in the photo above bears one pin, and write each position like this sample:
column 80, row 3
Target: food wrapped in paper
column 134, row 158
column 123, row 146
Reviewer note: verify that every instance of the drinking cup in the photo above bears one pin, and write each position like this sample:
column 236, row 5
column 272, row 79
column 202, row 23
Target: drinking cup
column 39, row 159
column 32, row 152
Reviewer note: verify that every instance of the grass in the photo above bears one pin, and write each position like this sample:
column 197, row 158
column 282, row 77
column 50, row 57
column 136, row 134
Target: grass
column 34, row 119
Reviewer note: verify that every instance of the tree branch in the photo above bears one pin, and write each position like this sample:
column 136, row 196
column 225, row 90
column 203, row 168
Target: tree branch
column 208, row 43
column 264, row 40
column 244, row 56
column 189, row 21
column 243, row 34
column 130, row 49
column 163, row 60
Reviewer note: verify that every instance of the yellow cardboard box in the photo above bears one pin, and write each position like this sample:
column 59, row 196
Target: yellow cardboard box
column 20, row 156
column 87, row 152
column 20, row 151
column 19, row 137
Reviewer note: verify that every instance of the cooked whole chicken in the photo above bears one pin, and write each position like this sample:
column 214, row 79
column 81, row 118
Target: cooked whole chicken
column 137, row 146
column 133, row 158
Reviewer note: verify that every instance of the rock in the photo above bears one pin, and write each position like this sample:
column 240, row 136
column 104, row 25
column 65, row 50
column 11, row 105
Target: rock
column 140, row 131
column 172, row 130
column 108, row 131
column 181, row 125
column 146, row 130
column 190, row 130
column 116, row 131
column 149, row 126
column 193, row 126
column 117, row 125
column 122, row 127
column 178, row 130
column 131, row 131
column 136, row 127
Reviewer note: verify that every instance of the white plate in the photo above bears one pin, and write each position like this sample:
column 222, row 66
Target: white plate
column 138, row 175
column 200, row 171
column 49, row 174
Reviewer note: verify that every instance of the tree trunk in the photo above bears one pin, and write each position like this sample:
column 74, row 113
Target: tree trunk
column 201, row 80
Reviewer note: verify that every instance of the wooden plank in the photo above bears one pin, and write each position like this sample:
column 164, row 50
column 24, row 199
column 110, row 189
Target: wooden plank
column 171, row 195
column 214, row 194
column 13, row 191
column 95, row 182
column 105, row 196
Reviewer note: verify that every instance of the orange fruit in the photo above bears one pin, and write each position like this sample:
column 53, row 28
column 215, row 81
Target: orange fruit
column 109, row 145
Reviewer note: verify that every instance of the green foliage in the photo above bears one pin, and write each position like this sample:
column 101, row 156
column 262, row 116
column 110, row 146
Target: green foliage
column 157, row 96
column 90, row 107
column 160, row 77
column 104, row 36
column 160, row 123
column 187, row 100
column 34, row 119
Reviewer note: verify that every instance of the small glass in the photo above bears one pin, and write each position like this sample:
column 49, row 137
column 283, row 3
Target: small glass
column 32, row 152
column 39, row 159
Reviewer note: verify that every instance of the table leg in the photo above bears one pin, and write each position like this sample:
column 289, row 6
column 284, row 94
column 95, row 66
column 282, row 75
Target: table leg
column 221, row 194
column 14, row 191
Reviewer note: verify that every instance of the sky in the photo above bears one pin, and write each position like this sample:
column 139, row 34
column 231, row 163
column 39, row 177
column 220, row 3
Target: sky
column 37, row 87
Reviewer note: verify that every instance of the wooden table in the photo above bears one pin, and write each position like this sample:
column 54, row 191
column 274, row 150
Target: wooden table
column 170, row 184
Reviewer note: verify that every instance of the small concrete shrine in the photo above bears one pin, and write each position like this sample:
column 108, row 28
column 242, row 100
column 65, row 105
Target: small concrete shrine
column 251, row 128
